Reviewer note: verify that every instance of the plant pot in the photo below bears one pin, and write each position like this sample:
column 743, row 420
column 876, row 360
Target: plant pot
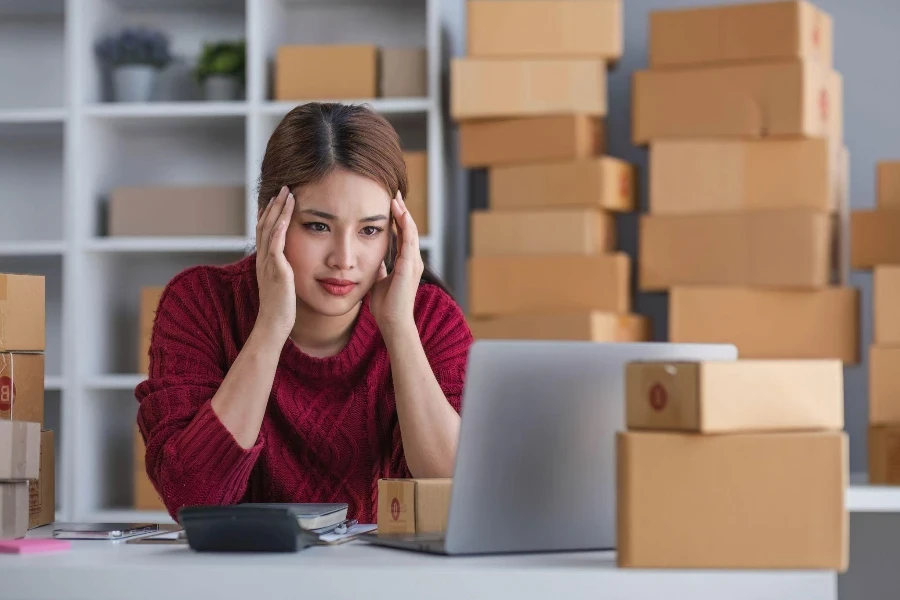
column 133, row 83
column 221, row 88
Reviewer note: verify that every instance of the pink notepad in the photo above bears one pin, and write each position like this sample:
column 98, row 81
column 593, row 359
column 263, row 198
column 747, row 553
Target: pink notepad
column 33, row 546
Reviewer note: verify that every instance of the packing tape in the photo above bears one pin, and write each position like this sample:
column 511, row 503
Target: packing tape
column 19, row 449
column 7, row 508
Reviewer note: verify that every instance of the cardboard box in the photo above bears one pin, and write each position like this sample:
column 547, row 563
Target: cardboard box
column 884, row 385
column 884, row 454
column 771, row 323
column 742, row 33
column 600, row 182
column 404, row 73
column 729, row 396
column 799, row 99
column 789, row 248
column 545, row 29
column 22, row 313
column 417, row 189
column 22, row 387
column 13, row 509
column 887, row 184
column 493, row 88
column 886, row 304
column 307, row 72
column 535, row 139
column 201, row 210
column 145, row 495
column 509, row 285
column 873, row 238
column 563, row 231
column 150, row 297
column 693, row 176
column 42, row 491
column 20, row 450
column 743, row 501
column 589, row 326
column 413, row 505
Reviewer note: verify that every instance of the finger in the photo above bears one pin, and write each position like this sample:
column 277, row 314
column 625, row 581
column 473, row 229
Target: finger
column 279, row 230
column 397, row 213
column 260, row 242
column 382, row 272
column 270, row 220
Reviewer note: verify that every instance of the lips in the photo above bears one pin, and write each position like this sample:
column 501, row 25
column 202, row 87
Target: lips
column 337, row 287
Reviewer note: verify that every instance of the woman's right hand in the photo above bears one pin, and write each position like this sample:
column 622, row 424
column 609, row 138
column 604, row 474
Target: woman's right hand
column 277, row 298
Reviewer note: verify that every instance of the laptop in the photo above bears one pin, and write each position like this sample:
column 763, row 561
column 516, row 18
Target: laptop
column 536, row 461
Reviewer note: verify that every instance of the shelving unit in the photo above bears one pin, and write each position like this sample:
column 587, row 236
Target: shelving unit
column 63, row 147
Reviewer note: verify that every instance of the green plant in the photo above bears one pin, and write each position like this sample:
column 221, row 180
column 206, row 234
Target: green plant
column 222, row 58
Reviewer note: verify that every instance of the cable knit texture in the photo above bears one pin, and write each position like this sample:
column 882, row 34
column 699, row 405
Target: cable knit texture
column 330, row 430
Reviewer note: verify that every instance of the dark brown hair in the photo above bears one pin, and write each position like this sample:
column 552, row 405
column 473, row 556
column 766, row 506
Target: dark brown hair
column 314, row 139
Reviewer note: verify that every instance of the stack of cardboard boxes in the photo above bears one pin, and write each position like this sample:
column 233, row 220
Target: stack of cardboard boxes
column 747, row 181
column 145, row 496
column 27, row 455
column 531, row 99
column 737, row 464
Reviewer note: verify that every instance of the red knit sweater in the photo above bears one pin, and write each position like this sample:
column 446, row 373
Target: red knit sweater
column 330, row 430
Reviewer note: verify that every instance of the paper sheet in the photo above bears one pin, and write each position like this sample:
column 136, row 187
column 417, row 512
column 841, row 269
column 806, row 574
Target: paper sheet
column 352, row 533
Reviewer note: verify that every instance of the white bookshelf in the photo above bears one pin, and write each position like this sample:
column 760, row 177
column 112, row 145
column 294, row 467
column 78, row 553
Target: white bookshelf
column 63, row 148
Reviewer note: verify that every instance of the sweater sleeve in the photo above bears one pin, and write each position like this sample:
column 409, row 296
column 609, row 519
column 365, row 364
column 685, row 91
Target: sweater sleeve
column 191, row 457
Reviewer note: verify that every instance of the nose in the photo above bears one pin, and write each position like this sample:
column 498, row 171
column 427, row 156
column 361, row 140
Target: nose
column 340, row 256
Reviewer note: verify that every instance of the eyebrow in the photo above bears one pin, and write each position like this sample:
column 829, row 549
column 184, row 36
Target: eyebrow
column 331, row 217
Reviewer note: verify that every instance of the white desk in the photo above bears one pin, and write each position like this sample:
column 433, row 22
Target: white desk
column 99, row 570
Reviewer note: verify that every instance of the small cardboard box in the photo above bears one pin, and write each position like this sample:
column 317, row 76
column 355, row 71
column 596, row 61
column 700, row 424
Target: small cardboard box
column 884, row 385
column 741, row 33
column 873, row 238
column 770, row 323
column 13, row 509
column 404, row 72
column 545, row 29
column 510, row 285
column 22, row 387
column 887, row 184
column 589, row 326
column 20, row 450
column 789, row 248
column 564, row 231
column 801, row 99
column 600, row 182
column 413, row 505
column 42, row 491
column 528, row 140
column 201, row 210
column 739, row 501
column 145, row 495
column 693, row 176
column 485, row 88
column 884, row 454
column 150, row 296
column 308, row 72
column 22, row 313
column 730, row 396
column 886, row 304
column 417, row 188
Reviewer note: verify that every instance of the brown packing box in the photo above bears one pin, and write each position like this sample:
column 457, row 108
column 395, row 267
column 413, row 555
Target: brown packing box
column 591, row 326
column 145, row 495
column 22, row 387
column 403, row 73
column 22, row 313
column 307, row 72
column 509, row 285
column 545, row 28
column 801, row 99
column 745, row 500
column 601, row 182
column 887, row 184
column 884, row 385
column 149, row 301
column 201, row 210
column 42, row 491
column 789, row 248
column 417, row 191
column 884, row 454
column 886, row 304
column 771, row 323
column 728, row 396
column 746, row 32
column 492, row 88
column 563, row 231
column 691, row 176
column 413, row 505
column 527, row 140
column 13, row 509
column 873, row 238
column 20, row 450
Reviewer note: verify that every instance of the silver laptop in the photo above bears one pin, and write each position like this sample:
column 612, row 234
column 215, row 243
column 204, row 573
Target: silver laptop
column 536, row 462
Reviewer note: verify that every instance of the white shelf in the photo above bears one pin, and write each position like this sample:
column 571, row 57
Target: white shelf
column 165, row 110
column 33, row 115
column 115, row 382
column 54, row 383
column 32, row 248
column 385, row 106
column 125, row 515
column 168, row 244
column 865, row 497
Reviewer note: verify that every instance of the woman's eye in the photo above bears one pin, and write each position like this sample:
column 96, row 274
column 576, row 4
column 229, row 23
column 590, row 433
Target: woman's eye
column 317, row 227
column 371, row 231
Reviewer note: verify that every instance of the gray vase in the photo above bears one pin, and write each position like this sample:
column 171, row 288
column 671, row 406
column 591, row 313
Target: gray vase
column 133, row 83
column 221, row 88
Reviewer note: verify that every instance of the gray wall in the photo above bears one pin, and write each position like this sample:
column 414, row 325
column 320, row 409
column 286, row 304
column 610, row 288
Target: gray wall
column 867, row 53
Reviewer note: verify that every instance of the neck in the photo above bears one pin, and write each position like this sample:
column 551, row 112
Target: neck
column 319, row 335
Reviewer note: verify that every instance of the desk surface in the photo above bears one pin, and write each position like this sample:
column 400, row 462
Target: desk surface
column 99, row 569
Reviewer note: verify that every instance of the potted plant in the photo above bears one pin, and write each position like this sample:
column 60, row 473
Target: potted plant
column 221, row 70
column 134, row 57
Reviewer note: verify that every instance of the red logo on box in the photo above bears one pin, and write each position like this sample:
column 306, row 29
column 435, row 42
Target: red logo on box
column 823, row 104
column 658, row 397
column 7, row 393
column 395, row 509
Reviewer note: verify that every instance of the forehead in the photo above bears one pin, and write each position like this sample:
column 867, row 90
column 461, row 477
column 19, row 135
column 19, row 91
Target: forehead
column 344, row 193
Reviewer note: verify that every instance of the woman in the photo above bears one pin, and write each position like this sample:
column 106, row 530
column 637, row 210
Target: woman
column 328, row 359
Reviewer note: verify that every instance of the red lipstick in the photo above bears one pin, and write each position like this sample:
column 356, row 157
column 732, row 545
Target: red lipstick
column 337, row 287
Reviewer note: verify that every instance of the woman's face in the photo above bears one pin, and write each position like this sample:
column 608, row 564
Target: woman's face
column 336, row 240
